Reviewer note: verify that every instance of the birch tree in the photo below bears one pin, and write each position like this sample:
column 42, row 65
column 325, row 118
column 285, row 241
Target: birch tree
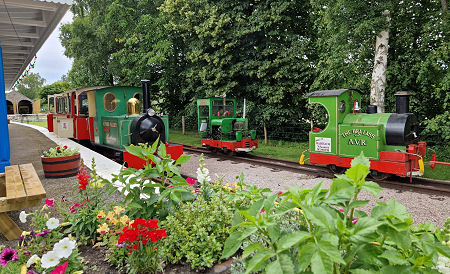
column 378, row 83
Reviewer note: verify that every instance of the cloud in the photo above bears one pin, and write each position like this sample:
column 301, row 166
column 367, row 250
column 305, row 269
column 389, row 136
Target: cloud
column 51, row 63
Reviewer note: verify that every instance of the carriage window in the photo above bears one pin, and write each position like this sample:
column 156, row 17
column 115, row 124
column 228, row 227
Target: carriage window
column 109, row 101
column 134, row 106
column 203, row 110
column 223, row 109
column 68, row 110
column 51, row 105
column 83, row 104
column 320, row 117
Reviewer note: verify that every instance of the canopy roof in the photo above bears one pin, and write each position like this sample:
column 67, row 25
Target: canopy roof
column 24, row 27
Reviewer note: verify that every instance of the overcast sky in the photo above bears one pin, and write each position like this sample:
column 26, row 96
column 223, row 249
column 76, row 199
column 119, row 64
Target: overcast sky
column 51, row 63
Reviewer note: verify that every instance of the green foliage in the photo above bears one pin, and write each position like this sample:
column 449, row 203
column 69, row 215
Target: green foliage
column 196, row 232
column 337, row 237
column 12, row 267
column 145, row 198
column 60, row 151
column 31, row 85
column 56, row 87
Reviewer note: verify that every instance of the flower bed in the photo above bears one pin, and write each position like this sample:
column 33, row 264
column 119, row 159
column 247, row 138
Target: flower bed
column 201, row 223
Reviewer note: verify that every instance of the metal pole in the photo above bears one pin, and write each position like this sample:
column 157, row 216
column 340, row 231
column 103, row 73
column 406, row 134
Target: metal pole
column 243, row 116
column 4, row 135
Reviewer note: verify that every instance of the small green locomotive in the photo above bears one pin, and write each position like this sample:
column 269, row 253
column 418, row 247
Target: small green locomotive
column 387, row 139
column 219, row 127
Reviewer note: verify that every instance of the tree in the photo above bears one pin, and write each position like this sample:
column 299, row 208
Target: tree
column 55, row 88
column 31, row 85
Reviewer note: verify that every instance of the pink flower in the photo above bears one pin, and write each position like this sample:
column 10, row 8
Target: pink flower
column 341, row 210
column 74, row 208
column 280, row 193
column 60, row 269
column 197, row 190
column 8, row 255
column 191, row 181
column 355, row 221
column 50, row 202
column 262, row 211
column 170, row 186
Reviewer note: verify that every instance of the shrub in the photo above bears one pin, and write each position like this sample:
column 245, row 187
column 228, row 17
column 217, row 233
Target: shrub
column 196, row 231
column 337, row 237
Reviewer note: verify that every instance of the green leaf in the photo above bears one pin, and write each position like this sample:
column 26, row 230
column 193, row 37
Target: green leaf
column 394, row 257
column 360, row 160
column 312, row 196
column 274, row 267
column 257, row 260
column 287, row 265
column 284, row 207
column 401, row 238
column 292, row 239
column 135, row 150
column 178, row 180
column 319, row 216
column 252, row 248
column 305, row 254
column 183, row 159
column 357, row 173
column 270, row 202
column 372, row 187
column 340, row 191
column 134, row 205
column 363, row 228
column 357, row 203
column 256, row 207
column 274, row 231
column 232, row 244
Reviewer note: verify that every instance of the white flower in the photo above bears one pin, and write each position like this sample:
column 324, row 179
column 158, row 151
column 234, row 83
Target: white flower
column 64, row 248
column 52, row 223
column 49, row 259
column 202, row 175
column 33, row 260
column 23, row 216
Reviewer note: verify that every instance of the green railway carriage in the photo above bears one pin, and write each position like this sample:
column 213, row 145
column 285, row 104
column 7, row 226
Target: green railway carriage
column 387, row 139
column 219, row 127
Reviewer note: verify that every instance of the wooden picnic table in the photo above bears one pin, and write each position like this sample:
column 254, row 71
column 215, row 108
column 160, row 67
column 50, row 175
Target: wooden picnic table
column 20, row 188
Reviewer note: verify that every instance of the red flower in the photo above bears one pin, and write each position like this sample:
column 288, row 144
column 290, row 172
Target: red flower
column 50, row 202
column 65, row 147
column 60, row 269
column 191, row 181
column 58, row 148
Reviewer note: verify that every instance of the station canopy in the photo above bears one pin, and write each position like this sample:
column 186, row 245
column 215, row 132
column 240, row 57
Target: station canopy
column 24, row 27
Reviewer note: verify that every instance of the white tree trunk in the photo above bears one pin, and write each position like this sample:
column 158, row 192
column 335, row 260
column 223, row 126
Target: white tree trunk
column 378, row 82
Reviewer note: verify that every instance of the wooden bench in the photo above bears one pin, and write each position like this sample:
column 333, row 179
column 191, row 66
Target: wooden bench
column 20, row 188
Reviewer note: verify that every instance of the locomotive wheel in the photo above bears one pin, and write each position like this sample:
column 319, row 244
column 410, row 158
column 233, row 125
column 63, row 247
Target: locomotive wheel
column 336, row 169
column 379, row 176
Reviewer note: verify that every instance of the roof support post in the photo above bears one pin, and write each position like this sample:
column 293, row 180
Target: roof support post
column 4, row 135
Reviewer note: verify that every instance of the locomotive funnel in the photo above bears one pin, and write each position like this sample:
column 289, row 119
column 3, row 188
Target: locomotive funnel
column 146, row 94
column 402, row 102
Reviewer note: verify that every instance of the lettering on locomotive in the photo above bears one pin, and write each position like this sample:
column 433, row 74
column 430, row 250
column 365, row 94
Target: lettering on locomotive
column 358, row 132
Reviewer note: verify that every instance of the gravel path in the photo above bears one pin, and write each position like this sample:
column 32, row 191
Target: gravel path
column 422, row 207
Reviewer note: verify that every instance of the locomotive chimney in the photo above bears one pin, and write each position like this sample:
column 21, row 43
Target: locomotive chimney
column 402, row 101
column 146, row 94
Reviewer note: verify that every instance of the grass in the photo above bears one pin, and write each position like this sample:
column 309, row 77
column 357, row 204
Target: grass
column 40, row 123
column 292, row 151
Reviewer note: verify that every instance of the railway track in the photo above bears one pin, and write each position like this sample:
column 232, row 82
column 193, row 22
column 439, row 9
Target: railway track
column 418, row 184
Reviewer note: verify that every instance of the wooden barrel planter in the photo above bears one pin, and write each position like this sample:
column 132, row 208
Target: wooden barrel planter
column 61, row 167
